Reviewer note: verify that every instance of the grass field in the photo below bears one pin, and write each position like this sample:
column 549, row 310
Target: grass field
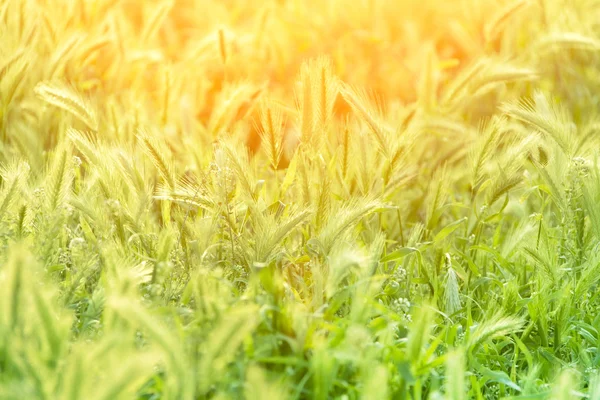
column 299, row 199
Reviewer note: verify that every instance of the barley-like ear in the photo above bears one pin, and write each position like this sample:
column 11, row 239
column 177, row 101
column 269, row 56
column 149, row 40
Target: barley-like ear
column 271, row 236
column 588, row 278
column 66, row 99
column 346, row 217
column 58, row 62
column 156, row 154
column 482, row 151
column 10, row 62
column 87, row 52
column 59, row 179
column 456, row 388
column 171, row 349
column 499, row 72
column 236, row 102
column 437, row 196
column 14, row 78
column 462, row 81
column 238, row 160
column 451, row 291
column 561, row 41
column 549, row 118
column 345, row 149
column 187, row 192
column 324, row 91
column 495, row 326
column 271, row 133
column 324, row 202
column 156, row 20
column 493, row 28
column 481, row 77
column 506, row 179
column 222, row 46
column 85, row 143
column 13, row 178
column 360, row 104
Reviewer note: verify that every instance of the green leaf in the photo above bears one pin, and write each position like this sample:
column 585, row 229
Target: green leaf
column 398, row 254
column 448, row 229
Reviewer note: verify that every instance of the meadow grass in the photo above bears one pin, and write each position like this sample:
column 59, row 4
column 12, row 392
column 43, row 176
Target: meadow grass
column 299, row 199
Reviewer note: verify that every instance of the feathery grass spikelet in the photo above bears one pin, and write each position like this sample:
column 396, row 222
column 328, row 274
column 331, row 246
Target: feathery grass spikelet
column 64, row 98
column 549, row 118
column 156, row 20
column 59, row 180
column 495, row 25
column 157, row 156
column 494, row 326
column 360, row 104
column 271, row 133
column 456, row 387
column 451, row 290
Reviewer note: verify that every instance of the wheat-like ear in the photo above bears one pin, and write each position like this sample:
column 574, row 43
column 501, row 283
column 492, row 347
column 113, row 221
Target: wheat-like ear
column 324, row 92
column 561, row 41
column 155, row 153
column 85, row 143
column 187, row 192
column 481, row 153
column 222, row 46
column 271, row 132
column 497, row 325
column 438, row 193
column 12, row 60
column 15, row 76
column 493, row 28
column 324, row 201
column 271, row 234
column 59, row 179
column 549, row 118
column 238, row 160
column 462, row 80
column 451, row 292
column 66, row 99
column 13, row 178
column 480, row 77
column 236, row 102
column 589, row 277
column 359, row 102
column 86, row 53
column 500, row 72
column 156, row 20
column 346, row 217
column 509, row 173
column 59, row 59
column 345, row 149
